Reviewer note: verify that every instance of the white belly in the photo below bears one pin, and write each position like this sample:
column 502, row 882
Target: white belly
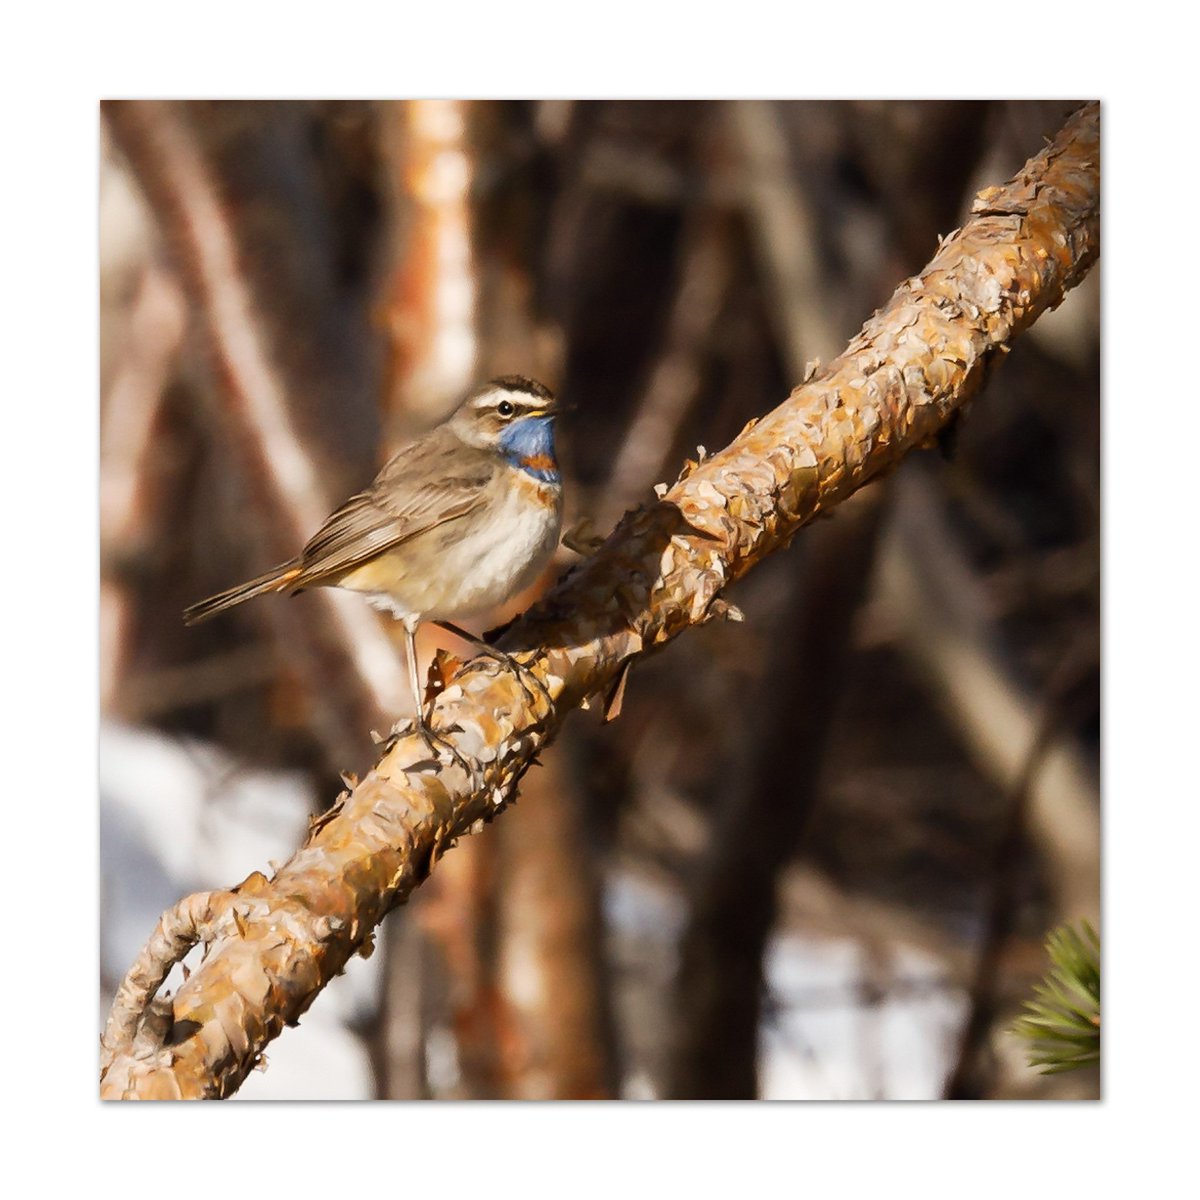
column 467, row 566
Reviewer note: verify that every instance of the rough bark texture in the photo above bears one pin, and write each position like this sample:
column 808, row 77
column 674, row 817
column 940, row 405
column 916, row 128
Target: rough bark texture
column 721, row 994
column 272, row 944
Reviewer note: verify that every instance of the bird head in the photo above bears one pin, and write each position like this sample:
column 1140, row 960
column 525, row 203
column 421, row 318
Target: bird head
column 513, row 417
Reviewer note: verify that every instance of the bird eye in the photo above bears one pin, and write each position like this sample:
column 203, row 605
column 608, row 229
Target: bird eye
column 505, row 408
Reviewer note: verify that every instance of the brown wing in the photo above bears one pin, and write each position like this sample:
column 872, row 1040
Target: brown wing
column 435, row 480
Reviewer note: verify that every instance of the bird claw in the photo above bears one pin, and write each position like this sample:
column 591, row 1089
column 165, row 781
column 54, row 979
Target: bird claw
column 506, row 660
column 433, row 740
column 520, row 670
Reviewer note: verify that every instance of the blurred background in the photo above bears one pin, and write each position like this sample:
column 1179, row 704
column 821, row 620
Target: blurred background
column 818, row 852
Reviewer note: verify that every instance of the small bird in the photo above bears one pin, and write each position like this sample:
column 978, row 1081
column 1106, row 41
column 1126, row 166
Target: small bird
column 456, row 522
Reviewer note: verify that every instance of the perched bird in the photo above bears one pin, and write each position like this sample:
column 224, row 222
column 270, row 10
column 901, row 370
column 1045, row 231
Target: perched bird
column 456, row 522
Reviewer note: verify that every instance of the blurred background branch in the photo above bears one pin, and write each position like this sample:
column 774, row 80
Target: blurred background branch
column 351, row 674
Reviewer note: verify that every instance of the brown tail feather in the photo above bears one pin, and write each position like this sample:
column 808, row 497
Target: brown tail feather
column 275, row 580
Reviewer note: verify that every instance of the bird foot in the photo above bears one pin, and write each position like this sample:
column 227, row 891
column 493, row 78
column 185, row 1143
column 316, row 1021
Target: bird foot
column 507, row 660
column 434, row 740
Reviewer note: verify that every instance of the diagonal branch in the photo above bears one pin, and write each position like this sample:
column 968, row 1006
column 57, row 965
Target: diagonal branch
column 273, row 944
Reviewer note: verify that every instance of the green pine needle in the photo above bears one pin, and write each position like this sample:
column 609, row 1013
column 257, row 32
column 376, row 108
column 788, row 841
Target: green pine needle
column 1063, row 1022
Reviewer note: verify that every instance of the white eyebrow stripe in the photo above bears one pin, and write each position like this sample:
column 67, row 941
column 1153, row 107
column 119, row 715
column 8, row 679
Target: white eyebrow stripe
column 521, row 399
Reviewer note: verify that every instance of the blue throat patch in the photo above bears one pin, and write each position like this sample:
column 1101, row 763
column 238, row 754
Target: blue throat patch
column 529, row 445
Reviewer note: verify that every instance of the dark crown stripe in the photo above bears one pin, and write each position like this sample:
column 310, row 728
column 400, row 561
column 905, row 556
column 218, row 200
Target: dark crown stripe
column 521, row 383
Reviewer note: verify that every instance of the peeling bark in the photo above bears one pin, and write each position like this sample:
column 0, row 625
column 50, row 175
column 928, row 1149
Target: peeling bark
column 273, row 944
column 762, row 820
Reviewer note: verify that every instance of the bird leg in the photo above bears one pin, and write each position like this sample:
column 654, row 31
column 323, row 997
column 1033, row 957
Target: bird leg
column 410, row 635
column 507, row 660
